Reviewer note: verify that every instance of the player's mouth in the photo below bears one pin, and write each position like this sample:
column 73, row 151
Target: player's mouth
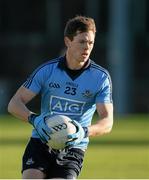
column 84, row 55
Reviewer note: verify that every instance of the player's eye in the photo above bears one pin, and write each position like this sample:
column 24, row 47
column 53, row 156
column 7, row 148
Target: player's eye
column 91, row 43
column 86, row 42
column 82, row 42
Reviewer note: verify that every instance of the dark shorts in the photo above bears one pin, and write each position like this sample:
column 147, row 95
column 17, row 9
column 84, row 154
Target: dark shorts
column 65, row 164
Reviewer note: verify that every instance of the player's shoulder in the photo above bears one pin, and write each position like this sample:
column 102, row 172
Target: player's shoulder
column 47, row 65
column 50, row 62
column 99, row 69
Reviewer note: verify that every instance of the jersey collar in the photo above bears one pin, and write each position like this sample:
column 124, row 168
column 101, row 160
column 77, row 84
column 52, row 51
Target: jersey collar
column 73, row 73
column 63, row 64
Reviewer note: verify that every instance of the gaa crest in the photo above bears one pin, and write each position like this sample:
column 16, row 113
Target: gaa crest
column 87, row 94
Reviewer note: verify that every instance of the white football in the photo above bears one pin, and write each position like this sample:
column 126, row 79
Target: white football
column 61, row 126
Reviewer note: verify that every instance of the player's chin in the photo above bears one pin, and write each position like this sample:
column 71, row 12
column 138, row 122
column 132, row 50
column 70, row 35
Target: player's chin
column 84, row 58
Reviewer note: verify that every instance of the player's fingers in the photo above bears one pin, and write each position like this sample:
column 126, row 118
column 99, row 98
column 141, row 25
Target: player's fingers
column 47, row 130
column 45, row 134
column 70, row 143
column 72, row 136
column 41, row 137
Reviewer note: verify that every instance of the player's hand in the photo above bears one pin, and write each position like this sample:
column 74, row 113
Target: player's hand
column 76, row 138
column 38, row 122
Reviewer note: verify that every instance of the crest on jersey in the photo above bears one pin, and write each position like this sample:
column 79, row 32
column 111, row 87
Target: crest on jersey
column 87, row 94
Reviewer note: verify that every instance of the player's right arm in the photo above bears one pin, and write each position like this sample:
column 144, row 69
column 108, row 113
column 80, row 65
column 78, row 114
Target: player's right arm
column 17, row 105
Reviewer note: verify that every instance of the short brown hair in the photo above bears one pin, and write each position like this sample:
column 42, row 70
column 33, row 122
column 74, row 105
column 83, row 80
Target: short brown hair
column 79, row 23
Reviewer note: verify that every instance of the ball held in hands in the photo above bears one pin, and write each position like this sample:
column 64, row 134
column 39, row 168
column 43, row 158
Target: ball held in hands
column 81, row 133
column 61, row 127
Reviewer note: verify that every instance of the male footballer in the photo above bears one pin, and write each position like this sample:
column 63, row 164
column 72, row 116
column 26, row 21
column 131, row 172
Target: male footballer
column 71, row 85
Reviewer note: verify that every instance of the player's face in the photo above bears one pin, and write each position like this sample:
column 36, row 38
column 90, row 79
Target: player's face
column 80, row 47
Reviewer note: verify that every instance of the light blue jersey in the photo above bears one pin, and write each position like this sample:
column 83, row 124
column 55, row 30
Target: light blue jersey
column 73, row 93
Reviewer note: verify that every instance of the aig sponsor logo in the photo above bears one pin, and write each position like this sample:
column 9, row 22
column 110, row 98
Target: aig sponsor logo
column 59, row 105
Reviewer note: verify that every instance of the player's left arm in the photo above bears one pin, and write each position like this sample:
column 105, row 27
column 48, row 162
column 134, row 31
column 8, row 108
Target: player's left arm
column 105, row 122
column 103, row 125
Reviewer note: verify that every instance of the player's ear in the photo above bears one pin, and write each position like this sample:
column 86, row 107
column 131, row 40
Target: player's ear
column 67, row 41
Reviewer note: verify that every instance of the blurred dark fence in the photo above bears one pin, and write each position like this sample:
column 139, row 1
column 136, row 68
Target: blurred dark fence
column 31, row 31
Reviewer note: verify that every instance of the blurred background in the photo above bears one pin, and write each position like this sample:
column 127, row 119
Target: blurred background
column 31, row 32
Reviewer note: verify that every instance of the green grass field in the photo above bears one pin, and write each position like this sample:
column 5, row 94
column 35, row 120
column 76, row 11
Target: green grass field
column 122, row 154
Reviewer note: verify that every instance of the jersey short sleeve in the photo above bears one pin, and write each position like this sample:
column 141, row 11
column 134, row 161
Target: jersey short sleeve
column 105, row 93
column 35, row 80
